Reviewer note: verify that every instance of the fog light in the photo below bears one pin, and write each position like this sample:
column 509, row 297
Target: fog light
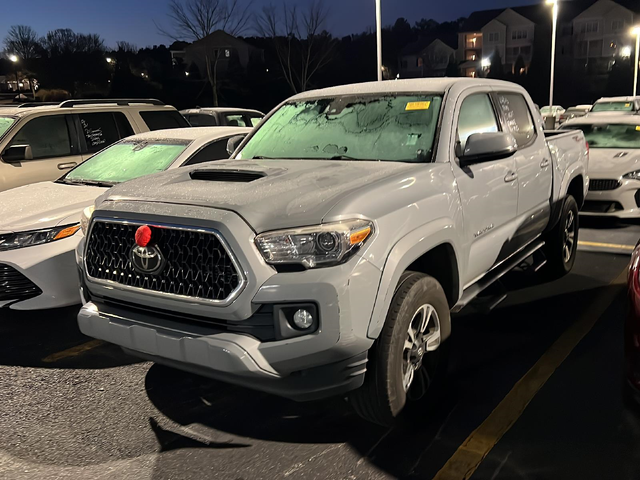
column 303, row 319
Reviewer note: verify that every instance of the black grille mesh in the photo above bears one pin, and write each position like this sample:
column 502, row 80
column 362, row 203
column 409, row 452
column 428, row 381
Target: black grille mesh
column 597, row 185
column 15, row 286
column 197, row 263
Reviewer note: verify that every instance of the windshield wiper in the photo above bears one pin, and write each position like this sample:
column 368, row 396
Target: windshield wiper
column 91, row 183
column 347, row 157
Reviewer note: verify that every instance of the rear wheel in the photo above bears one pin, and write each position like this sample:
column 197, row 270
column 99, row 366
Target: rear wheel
column 408, row 357
column 561, row 243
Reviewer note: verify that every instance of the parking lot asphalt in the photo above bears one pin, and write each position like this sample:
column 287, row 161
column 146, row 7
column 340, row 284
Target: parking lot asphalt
column 77, row 408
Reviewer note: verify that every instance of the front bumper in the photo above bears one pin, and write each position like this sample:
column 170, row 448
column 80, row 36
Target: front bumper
column 52, row 268
column 623, row 202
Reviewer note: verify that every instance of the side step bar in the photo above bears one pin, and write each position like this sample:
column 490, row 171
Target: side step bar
column 494, row 275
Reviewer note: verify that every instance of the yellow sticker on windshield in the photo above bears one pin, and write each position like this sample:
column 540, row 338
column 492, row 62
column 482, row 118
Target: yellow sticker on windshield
column 418, row 106
column 638, row 128
column 627, row 104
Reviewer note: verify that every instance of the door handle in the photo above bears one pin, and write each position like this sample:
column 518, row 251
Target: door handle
column 545, row 163
column 64, row 166
column 510, row 177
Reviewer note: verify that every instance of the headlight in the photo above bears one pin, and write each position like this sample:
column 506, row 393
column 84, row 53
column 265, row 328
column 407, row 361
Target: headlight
column 11, row 241
column 318, row 246
column 632, row 175
column 85, row 218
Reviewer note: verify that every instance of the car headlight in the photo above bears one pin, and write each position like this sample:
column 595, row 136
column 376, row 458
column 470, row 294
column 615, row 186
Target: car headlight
column 11, row 241
column 85, row 218
column 319, row 246
column 632, row 175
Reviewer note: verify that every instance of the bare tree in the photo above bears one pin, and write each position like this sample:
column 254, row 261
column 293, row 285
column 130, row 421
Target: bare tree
column 65, row 41
column 302, row 46
column 22, row 41
column 126, row 47
column 193, row 20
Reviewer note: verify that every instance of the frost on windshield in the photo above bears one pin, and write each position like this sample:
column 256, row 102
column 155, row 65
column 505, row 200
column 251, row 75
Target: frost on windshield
column 388, row 128
column 613, row 107
column 611, row 136
column 126, row 161
column 5, row 124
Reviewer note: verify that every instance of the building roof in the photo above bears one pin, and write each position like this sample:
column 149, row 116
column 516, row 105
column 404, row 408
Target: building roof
column 219, row 37
column 450, row 40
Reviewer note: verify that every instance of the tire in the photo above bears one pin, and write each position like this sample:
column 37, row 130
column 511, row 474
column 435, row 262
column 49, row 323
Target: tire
column 561, row 243
column 384, row 393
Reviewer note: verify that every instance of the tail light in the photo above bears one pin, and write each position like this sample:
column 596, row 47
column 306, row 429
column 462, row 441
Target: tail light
column 587, row 145
column 633, row 278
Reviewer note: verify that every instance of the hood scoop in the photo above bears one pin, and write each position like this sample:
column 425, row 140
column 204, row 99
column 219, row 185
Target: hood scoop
column 236, row 176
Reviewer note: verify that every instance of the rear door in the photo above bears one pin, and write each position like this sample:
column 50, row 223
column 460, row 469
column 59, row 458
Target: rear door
column 533, row 166
column 488, row 190
column 54, row 145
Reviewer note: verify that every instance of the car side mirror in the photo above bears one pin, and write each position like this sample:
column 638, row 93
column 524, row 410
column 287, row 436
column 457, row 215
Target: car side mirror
column 234, row 143
column 17, row 153
column 485, row 147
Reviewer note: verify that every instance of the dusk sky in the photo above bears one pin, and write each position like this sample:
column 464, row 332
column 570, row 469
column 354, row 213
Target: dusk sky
column 133, row 20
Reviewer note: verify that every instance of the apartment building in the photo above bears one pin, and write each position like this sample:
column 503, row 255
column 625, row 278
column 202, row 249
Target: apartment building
column 427, row 57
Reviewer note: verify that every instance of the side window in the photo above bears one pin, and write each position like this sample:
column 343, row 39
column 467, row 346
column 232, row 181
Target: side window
column 517, row 117
column 160, row 120
column 202, row 120
column 476, row 116
column 99, row 130
column 254, row 120
column 236, row 121
column 214, row 151
column 47, row 136
column 124, row 127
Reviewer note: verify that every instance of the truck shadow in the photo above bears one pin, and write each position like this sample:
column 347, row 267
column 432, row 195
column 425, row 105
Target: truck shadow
column 51, row 339
column 490, row 353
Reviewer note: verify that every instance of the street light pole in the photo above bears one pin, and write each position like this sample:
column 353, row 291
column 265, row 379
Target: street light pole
column 636, row 32
column 553, row 49
column 14, row 60
column 379, row 38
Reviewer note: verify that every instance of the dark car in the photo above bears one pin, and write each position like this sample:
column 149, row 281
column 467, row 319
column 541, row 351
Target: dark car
column 222, row 117
column 632, row 326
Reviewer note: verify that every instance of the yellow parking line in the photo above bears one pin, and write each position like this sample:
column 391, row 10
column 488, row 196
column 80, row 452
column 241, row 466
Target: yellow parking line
column 606, row 245
column 73, row 351
column 479, row 443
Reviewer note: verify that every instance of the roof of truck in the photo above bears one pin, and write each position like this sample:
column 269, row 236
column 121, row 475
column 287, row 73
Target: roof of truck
column 432, row 85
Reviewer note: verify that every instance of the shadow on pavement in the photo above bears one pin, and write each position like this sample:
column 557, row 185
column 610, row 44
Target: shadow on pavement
column 29, row 337
column 490, row 353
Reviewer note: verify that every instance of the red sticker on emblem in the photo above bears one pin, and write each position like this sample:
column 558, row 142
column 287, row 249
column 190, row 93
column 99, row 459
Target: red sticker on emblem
column 143, row 236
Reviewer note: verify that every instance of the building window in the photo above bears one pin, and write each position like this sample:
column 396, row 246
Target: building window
column 420, row 62
column 526, row 50
column 471, row 56
column 589, row 27
column 518, row 34
column 494, row 37
column 617, row 25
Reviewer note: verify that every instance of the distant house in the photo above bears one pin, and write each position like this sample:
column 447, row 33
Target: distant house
column 219, row 44
column 427, row 57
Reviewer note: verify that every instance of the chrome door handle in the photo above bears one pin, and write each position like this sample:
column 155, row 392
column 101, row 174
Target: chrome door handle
column 545, row 163
column 510, row 177
column 65, row 166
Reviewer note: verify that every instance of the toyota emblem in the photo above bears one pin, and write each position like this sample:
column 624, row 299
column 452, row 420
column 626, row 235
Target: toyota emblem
column 145, row 258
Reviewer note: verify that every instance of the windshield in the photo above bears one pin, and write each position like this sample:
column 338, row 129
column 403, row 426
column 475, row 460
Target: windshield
column 613, row 107
column 381, row 127
column 126, row 161
column 5, row 124
column 610, row 136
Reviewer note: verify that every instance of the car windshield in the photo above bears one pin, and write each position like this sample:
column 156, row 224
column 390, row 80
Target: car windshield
column 125, row 161
column 5, row 124
column 610, row 136
column 613, row 107
column 372, row 127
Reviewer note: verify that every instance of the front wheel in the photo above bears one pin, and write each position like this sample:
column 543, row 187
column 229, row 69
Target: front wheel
column 409, row 356
column 561, row 243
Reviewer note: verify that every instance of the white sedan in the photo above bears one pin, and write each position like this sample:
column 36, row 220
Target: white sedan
column 614, row 164
column 39, row 223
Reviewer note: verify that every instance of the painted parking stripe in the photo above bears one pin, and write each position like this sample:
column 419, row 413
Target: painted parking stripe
column 73, row 351
column 479, row 443
column 584, row 243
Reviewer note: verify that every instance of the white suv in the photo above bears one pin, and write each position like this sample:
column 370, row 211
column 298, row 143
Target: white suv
column 40, row 142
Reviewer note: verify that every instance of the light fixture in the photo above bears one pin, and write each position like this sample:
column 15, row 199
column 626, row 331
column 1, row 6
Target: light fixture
column 109, row 60
column 486, row 62
column 186, row 74
column 13, row 58
column 625, row 51
column 303, row 319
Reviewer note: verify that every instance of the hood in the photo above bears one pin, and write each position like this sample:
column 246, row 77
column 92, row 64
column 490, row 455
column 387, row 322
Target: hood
column 287, row 193
column 612, row 162
column 44, row 205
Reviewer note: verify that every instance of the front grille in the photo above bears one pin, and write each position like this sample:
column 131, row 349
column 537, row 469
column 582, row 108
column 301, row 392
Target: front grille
column 15, row 286
column 598, row 206
column 197, row 263
column 599, row 185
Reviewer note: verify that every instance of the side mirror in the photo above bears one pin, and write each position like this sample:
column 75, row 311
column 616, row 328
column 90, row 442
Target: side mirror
column 234, row 143
column 484, row 147
column 17, row 153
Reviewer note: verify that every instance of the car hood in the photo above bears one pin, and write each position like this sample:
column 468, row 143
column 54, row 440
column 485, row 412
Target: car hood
column 44, row 205
column 612, row 162
column 289, row 193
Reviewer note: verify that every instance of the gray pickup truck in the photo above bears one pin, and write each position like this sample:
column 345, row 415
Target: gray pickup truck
column 325, row 258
